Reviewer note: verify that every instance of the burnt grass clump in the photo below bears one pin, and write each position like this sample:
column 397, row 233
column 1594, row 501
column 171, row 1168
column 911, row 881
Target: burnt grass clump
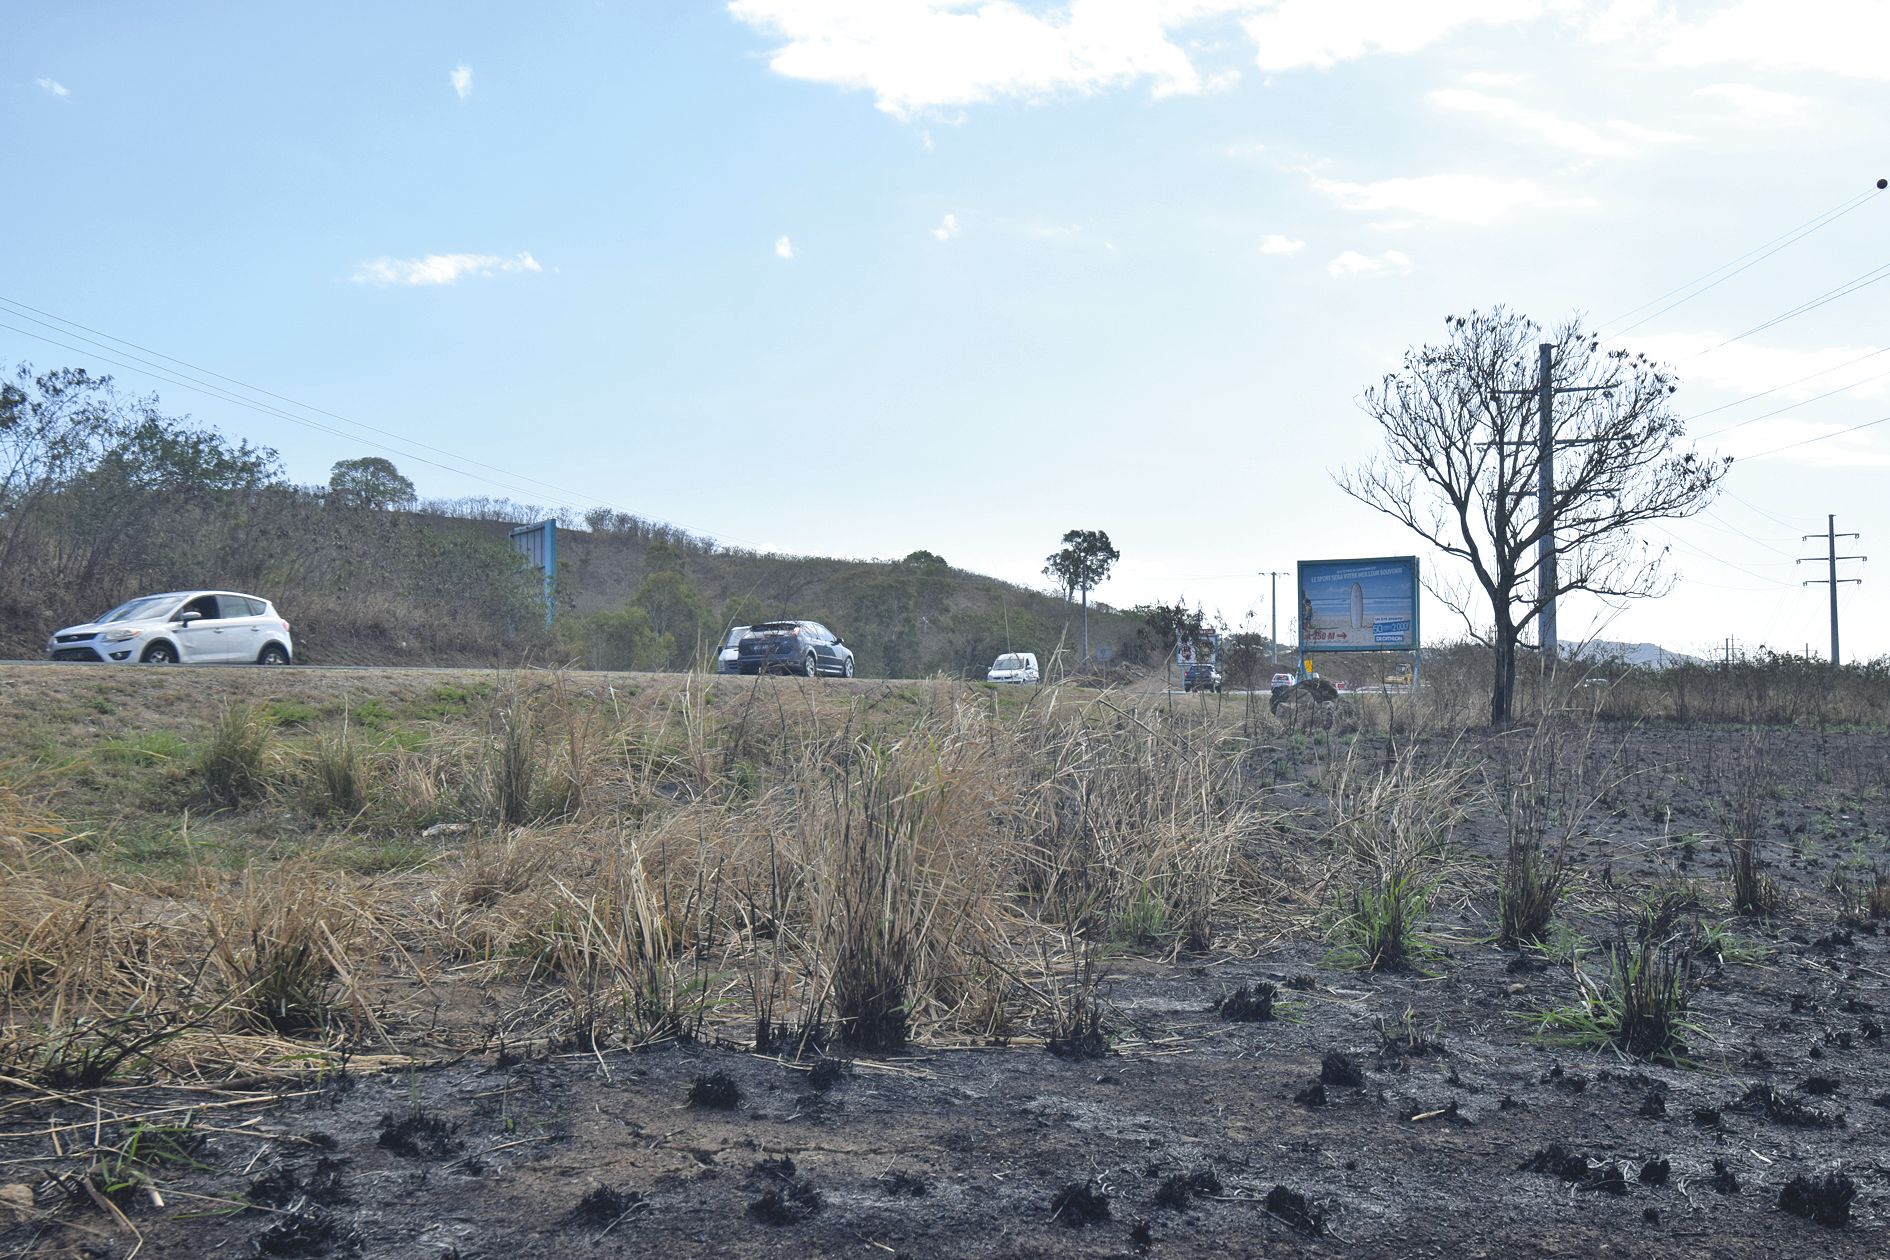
column 418, row 1135
column 1297, row 1210
column 1080, row 1203
column 898, row 1182
column 1779, row 1109
column 1180, row 1189
column 1341, row 1070
column 1557, row 1161
column 1723, row 1180
column 788, row 1198
column 715, row 1092
column 1656, row 1171
column 1249, row 1004
column 1314, row 1095
column 280, row 1185
column 788, row 1204
column 304, row 1232
column 826, row 1074
column 1654, row 1105
column 1825, row 1199
column 605, row 1206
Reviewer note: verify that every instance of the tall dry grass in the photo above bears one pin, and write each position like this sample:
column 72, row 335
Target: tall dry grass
column 771, row 862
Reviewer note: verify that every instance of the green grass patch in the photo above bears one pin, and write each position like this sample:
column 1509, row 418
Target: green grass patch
column 371, row 714
column 154, row 748
column 289, row 713
column 377, row 857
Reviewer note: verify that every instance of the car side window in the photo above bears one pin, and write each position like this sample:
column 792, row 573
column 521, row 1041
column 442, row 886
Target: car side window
column 250, row 607
column 205, row 606
column 820, row 632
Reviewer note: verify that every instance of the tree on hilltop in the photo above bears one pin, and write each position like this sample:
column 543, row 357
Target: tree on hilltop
column 1082, row 564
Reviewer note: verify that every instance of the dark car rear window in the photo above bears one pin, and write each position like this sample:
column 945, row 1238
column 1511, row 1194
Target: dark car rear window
column 775, row 627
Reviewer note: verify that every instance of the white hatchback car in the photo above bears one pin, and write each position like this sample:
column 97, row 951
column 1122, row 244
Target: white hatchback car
column 188, row 627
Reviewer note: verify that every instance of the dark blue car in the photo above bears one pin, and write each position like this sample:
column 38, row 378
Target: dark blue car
column 793, row 647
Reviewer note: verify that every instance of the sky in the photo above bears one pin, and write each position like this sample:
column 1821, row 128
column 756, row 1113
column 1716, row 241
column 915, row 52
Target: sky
column 858, row 277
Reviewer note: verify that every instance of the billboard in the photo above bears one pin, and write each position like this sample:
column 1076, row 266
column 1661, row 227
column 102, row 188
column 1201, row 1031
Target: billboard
column 1358, row 605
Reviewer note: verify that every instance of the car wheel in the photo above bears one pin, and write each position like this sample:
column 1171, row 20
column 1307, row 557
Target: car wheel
column 273, row 655
column 811, row 666
column 159, row 654
column 846, row 670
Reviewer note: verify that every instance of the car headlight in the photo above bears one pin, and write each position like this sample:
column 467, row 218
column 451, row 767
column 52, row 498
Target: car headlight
column 119, row 636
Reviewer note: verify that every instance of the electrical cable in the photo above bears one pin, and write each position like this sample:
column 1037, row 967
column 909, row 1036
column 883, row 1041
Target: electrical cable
column 172, row 376
column 1789, row 446
column 1773, row 246
column 1701, row 415
column 1865, row 280
column 1779, row 411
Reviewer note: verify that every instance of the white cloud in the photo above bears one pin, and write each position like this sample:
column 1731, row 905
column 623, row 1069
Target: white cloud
column 1493, row 78
column 1844, row 37
column 1297, row 34
column 784, row 249
column 1751, row 104
column 1472, row 199
column 439, row 268
column 947, row 228
column 1277, row 244
column 53, row 87
column 1618, row 140
column 1352, row 263
column 1246, row 150
column 916, row 56
column 462, row 81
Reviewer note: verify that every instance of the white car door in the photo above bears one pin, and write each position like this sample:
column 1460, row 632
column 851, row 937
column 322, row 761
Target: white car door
column 243, row 626
column 200, row 640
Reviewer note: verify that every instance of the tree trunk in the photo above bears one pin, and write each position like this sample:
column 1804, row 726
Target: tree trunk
column 1503, row 690
column 1086, row 623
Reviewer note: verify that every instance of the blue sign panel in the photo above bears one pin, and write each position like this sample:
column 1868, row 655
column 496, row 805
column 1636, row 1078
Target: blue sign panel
column 1358, row 605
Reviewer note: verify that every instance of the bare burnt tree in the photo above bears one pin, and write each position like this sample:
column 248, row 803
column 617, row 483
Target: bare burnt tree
column 1461, row 461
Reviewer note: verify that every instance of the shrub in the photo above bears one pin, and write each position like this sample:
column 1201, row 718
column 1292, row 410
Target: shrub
column 231, row 763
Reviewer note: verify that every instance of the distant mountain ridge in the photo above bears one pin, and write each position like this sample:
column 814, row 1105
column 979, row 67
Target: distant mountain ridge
column 1639, row 655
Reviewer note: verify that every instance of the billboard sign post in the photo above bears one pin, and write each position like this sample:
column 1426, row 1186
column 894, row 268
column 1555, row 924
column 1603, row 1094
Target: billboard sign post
column 1367, row 605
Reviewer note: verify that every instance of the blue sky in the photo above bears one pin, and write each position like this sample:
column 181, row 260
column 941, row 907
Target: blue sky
column 860, row 276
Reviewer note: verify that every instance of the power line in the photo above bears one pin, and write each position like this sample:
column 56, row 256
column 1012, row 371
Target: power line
column 172, row 376
column 1849, row 287
column 1779, row 411
column 1765, row 251
column 1820, row 438
column 257, row 389
column 1719, row 560
column 211, row 391
column 1700, row 415
column 1779, row 520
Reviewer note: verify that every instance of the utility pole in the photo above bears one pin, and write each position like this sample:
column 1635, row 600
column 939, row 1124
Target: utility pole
column 1545, row 391
column 1831, row 558
column 1273, row 605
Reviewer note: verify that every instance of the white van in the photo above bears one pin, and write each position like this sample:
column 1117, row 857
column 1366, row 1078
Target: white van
column 1014, row 667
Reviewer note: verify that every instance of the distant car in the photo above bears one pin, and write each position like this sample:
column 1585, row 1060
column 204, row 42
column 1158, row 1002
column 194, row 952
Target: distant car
column 793, row 647
column 1202, row 676
column 1014, row 667
column 187, row 627
column 728, row 657
column 1282, row 680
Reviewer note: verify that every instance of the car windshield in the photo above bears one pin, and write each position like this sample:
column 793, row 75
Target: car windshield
column 1010, row 662
column 147, row 609
column 734, row 636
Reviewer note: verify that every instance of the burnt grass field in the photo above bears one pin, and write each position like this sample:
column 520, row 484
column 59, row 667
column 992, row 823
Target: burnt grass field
column 1207, row 1046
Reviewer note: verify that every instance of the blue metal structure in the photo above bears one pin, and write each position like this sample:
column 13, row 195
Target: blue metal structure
column 539, row 545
